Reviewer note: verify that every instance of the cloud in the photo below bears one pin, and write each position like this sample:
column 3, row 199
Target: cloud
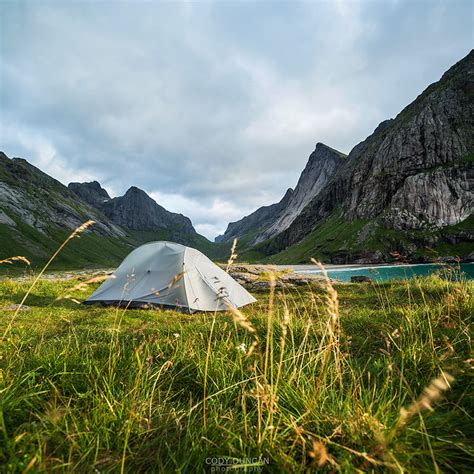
column 213, row 107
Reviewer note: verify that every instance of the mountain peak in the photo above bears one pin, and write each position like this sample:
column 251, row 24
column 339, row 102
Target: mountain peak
column 92, row 192
column 268, row 221
column 136, row 210
column 134, row 189
column 322, row 149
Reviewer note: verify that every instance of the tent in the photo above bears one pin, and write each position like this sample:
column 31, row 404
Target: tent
column 170, row 274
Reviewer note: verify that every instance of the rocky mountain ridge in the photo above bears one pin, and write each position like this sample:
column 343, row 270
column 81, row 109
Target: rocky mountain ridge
column 36, row 199
column 263, row 217
column 37, row 213
column 134, row 210
column 269, row 221
column 93, row 193
column 414, row 174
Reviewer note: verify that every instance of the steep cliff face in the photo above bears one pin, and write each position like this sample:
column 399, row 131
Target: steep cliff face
column 92, row 193
column 37, row 213
column 414, row 172
column 135, row 210
column 29, row 196
column 432, row 199
column 255, row 222
column 138, row 211
column 268, row 221
column 322, row 165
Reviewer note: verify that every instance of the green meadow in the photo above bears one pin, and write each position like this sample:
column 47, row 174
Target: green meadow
column 351, row 378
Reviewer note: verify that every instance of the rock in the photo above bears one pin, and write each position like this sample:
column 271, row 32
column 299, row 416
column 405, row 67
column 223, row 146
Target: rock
column 413, row 173
column 4, row 219
column 361, row 279
column 33, row 198
column 469, row 258
column 432, row 199
column 370, row 257
column 135, row 210
column 261, row 218
column 448, row 259
column 15, row 307
column 257, row 277
column 92, row 192
column 321, row 167
column 271, row 220
column 138, row 211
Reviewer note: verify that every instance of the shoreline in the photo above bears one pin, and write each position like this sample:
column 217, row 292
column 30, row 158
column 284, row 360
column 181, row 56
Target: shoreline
column 302, row 267
column 298, row 269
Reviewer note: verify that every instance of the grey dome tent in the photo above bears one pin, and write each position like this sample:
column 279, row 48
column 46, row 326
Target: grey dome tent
column 170, row 274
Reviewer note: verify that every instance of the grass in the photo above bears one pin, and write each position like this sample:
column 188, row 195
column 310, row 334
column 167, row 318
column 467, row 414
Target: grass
column 302, row 380
column 335, row 235
column 92, row 250
column 336, row 239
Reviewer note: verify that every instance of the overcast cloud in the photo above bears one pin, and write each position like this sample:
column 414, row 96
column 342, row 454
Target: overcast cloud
column 211, row 107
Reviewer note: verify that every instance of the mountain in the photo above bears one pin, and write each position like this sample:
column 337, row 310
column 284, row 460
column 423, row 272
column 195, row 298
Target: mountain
column 37, row 213
column 92, row 193
column 405, row 190
column 260, row 219
column 135, row 210
column 269, row 221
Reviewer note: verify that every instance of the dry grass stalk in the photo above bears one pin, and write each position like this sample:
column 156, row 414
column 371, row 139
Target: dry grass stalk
column 264, row 395
column 284, row 331
column 252, row 348
column 75, row 233
column 320, row 454
column 175, row 279
column 431, row 394
column 333, row 326
column 233, row 255
column 242, row 320
column 285, row 324
column 18, row 258
column 83, row 286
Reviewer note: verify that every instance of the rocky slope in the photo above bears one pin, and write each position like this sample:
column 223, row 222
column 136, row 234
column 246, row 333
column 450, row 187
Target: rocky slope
column 269, row 221
column 322, row 165
column 37, row 213
column 93, row 193
column 259, row 220
column 134, row 210
column 31, row 196
column 414, row 174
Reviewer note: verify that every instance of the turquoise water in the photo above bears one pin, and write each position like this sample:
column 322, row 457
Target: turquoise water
column 398, row 272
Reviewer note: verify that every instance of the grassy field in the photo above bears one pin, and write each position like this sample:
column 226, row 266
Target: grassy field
column 352, row 378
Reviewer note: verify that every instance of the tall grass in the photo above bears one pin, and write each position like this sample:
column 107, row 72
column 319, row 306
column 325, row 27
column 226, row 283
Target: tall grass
column 341, row 377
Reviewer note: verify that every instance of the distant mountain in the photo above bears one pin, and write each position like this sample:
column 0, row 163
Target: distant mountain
column 37, row 213
column 407, row 190
column 135, row 210
column 92, row 193
column 250, row 225
column 269, row 221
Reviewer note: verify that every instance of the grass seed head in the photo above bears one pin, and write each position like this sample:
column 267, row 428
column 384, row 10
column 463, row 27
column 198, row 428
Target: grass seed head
column 241, row 320
column 18, row 258
column 431, row 394
column 82, row 228
column 233, row 255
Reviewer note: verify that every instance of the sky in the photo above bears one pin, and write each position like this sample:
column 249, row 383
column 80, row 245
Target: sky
column 211, row 107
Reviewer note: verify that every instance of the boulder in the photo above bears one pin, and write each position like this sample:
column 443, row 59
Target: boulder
column 360, row 279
